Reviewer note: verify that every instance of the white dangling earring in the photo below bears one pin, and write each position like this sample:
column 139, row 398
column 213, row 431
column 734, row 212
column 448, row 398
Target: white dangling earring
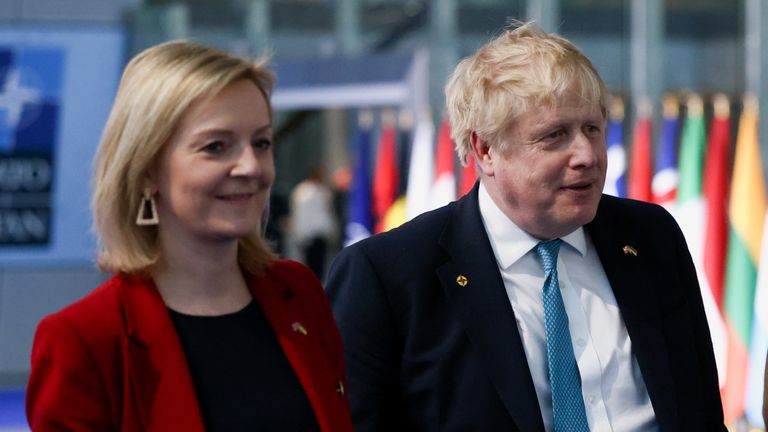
column 147, row 210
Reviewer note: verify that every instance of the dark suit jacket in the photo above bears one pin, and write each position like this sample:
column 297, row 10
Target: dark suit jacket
column 113, row 362
column 425, row 353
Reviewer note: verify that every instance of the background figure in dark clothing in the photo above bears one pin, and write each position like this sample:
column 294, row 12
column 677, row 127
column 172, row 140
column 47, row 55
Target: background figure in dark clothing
column 313, row 225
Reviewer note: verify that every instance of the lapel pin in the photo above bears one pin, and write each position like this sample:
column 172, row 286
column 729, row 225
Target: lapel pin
column 462, row 280
column 340, row 388
column 629, row 250
column 299, row 328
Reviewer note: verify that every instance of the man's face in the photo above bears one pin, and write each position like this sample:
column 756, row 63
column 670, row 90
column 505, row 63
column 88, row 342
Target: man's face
column 550, row 176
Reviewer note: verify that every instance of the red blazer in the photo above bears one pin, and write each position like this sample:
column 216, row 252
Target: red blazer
column 112, row 361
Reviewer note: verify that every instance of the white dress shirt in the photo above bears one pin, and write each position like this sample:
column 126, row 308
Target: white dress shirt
column 615, row 396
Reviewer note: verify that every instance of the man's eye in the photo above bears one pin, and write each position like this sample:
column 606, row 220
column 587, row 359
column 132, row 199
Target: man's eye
column 554, row 134
column 214, row 147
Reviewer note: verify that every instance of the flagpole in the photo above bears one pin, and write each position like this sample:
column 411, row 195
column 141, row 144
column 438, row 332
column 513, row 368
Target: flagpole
column 756, row 61
column 647, row 52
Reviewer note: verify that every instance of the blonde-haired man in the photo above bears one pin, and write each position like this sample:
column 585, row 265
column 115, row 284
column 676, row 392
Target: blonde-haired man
column 534, row 303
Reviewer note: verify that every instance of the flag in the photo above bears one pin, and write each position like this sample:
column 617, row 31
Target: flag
column 690, row 202
column 386, row 177
column 640, row 170
column 396, row 215
column 715, row 180
column 468, row 176
column 360, row 223
column 615, row 179
column 759, row 344
column 691, row 214
column 715, row 190
column 664, row 185
column 420, row 168
column 444, row 188
column 746, row 212
column 404, row 141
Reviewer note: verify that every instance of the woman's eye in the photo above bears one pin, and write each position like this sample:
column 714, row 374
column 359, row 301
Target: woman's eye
column 262, row 143
column 214, row 147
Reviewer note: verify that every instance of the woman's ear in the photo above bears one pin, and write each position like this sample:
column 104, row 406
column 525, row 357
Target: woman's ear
column 149, row 179
column 484, row 154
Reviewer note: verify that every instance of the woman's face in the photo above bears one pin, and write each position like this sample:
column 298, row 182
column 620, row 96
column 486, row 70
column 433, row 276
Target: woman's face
column 214, row 174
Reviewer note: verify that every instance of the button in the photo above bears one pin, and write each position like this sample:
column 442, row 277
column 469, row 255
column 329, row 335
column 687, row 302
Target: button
column 581, row 342
column 592, row 400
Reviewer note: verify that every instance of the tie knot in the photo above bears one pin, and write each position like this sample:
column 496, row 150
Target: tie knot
column 547, row 251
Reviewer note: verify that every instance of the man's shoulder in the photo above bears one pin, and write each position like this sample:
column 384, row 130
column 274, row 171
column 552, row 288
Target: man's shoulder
column 637, row 220
column 632, row 210
column 414, row 242
column 424, row 229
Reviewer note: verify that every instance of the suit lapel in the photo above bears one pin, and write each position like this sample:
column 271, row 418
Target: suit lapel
column 630, row 276
column 161, row 384
column 482, row 307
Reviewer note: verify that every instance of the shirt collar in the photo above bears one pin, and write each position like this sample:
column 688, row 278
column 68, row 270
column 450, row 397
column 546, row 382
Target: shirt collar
column 510, row 242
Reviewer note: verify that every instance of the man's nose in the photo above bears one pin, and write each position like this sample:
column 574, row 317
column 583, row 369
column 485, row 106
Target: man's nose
column 584, row 150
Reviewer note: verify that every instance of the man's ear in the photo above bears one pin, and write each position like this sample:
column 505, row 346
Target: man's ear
column 483, row 154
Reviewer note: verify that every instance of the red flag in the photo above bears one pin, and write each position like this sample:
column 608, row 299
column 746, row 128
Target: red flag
column 444, row 187
column 385, row 176
column 640, row 170
column 716, row 193
column 468, row 176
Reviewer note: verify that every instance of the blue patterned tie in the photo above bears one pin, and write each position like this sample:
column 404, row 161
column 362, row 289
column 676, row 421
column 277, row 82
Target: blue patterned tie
column 567, row 401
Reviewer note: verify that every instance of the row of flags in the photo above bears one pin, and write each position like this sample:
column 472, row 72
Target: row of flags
column 410, row 174
column 721, row 207
column 402, row 170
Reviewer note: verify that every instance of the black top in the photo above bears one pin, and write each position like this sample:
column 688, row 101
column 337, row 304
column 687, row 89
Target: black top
column 242, row 379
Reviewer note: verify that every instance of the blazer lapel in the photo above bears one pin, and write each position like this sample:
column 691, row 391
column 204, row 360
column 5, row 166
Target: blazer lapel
column 630, row 277
column 473, row 285
column 157, row 370
column 293, row 324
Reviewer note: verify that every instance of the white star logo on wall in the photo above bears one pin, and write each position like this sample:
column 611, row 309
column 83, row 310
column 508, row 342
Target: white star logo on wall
column 13, row 97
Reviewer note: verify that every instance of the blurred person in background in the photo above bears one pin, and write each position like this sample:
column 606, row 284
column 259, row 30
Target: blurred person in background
column 534, row 303
column 200, row 327
column 312, row 220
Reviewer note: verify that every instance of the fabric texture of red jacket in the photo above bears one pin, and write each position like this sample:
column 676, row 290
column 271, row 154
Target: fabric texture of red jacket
column 112, row 361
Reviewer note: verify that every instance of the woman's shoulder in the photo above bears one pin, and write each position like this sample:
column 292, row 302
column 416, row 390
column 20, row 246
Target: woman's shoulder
column 287, row 279
column 96, row 314
column 290, row 268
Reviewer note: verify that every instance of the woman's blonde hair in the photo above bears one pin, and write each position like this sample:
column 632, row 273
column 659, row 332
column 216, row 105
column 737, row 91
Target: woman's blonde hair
column 516, row 71
column 156, row 89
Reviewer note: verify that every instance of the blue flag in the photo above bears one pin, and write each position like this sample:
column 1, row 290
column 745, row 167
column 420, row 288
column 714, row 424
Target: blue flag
column 666, row 178
column 615, row 179
column 360, row 221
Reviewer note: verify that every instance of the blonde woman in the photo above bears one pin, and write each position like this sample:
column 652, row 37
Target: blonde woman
column 201, row 327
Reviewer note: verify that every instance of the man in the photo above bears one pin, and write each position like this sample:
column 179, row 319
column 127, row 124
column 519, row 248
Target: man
column 534, row 303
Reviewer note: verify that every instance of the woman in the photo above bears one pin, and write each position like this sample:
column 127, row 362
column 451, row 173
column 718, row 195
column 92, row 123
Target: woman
column 200, row 328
